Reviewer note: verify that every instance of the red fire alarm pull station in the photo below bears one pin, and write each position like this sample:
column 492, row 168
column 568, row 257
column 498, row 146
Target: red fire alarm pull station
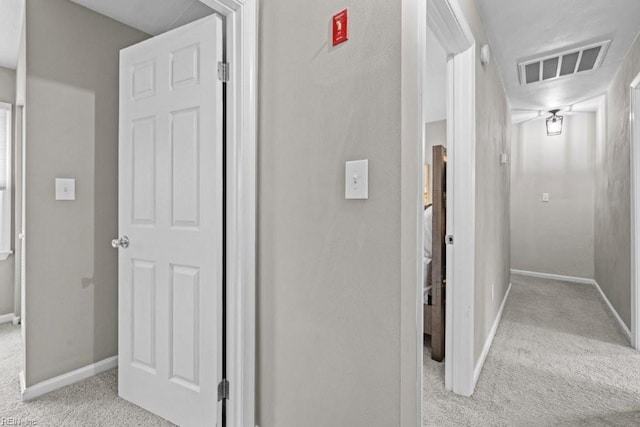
column 341, row 27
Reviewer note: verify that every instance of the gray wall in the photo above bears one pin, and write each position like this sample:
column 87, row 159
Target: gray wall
column 21, row 69
column 554, row 237
column 493, row 136
column 613, row 197
column 72, row 118
column 7, row 85
column 435, row 134
column 328, row 269
column 8, row 95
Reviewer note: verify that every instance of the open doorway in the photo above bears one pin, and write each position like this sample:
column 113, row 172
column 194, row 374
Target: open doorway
column 448, row 114
column 434, row 215
column 72, row 295
column 11, row 131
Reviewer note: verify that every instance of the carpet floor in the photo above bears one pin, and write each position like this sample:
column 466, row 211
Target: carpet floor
column 92, row 402
column 558, row 358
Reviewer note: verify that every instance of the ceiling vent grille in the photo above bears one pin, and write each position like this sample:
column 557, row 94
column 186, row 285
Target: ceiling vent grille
column 566, row 63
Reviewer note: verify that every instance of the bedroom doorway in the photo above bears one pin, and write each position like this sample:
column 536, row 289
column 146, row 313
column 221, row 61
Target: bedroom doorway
column 209, row 284
column 448, row 25
column 434, row 214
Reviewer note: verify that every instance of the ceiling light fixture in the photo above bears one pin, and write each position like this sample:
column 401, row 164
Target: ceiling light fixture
column 554, row 123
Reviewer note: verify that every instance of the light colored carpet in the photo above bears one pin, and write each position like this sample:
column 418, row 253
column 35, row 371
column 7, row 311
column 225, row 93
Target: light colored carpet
column 92, row 402
column 558, row 358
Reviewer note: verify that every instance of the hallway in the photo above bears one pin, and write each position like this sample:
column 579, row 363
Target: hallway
column 558, row 358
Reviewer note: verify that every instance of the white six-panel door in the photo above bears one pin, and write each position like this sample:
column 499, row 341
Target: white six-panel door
column 170, row 196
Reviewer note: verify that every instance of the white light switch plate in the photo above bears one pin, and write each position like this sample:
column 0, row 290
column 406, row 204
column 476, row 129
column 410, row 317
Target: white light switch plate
column 356, row 186
column 65, row 189
column 503, row 158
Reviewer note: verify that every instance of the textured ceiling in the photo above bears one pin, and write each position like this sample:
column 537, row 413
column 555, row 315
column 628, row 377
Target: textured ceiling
column 151, row 16
column 11, row 17
column 522, row 29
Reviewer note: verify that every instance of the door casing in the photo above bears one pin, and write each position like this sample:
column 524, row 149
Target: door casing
column 241, row 53
column 456, row 36
column 634, row 144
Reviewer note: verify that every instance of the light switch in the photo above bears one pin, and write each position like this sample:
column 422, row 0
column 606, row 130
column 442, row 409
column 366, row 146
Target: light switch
column 545, row 197
column 65, row 189
column 357, row 180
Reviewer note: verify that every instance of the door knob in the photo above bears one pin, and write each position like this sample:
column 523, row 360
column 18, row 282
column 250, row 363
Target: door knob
column 122, row 242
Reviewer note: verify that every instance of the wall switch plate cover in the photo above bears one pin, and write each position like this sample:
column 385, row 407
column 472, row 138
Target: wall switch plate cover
column 340, row 24
column 545, row 197
column 65, row 189
column 357, row 180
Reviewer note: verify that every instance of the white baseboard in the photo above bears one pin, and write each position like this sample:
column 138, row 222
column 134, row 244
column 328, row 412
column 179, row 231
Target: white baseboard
column 6, row 318
column 489, row 341
column 625, row 330
column 572, row 279
column 23, row 383
column 37, row 390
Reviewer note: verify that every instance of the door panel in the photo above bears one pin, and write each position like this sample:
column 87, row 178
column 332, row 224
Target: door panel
column 185, row 170
column 170, row 195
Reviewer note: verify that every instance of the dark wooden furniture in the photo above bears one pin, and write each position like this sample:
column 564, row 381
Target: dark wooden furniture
column 434, row 308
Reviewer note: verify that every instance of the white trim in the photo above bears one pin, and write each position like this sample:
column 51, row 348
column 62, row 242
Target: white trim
column 613, row 311
column 582, row 281
column 634, row 146
column 446, row 20
column 5, row 255
column 572, row 279
column 37, row 390
column 461, row 171
column 6, row 318
column 489, row 341
column 455, row 34
column 413, row 66
column 448, row 338
column 241, row 52
column 6, row 214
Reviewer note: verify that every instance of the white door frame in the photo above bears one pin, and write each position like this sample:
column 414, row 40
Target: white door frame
column 241, row 52
column 451, row 28
column 446, row 20
column 634, row 145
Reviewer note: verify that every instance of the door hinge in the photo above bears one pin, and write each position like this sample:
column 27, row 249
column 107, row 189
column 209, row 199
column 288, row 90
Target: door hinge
column 223, row 71
column 449, row 239
column 223, row 390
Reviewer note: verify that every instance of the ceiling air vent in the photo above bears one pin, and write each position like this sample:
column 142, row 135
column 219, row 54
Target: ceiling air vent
column 565, row 63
